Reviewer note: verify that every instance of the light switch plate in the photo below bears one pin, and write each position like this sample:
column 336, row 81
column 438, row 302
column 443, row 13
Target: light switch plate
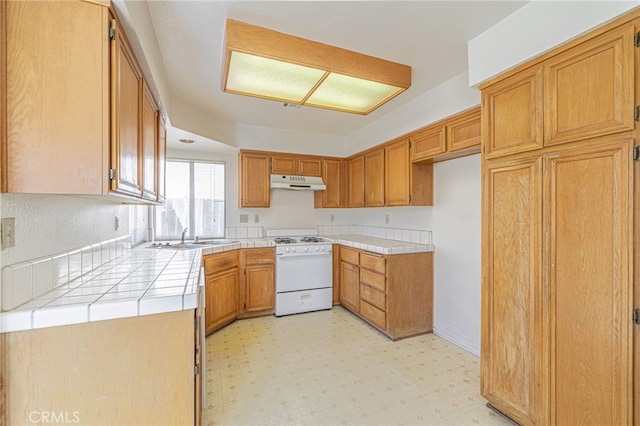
column 244, row 218
column 8, row 232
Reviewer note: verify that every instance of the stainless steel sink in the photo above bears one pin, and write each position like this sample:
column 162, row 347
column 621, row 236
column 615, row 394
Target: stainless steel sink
column 191, row 244
column 214, row 242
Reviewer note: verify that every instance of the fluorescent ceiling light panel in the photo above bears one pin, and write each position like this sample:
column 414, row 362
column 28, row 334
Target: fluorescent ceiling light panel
column 346, row 93
column 268, row 64
column 271, row 79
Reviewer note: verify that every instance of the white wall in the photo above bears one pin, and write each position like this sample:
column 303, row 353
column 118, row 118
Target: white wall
column 454, row 219
column 440, row 102
column 271, row 139
column 534, row 29
column 49, row 224
column 456, row 233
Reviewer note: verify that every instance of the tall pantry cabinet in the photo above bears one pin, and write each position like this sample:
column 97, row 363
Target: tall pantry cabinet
column 558, row 227
column 77, row 115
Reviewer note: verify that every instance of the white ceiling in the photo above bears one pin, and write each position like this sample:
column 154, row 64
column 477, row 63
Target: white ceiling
column 429, row 36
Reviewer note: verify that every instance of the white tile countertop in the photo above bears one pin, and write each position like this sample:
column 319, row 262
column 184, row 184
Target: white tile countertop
column 141, row 281
column 379, row 245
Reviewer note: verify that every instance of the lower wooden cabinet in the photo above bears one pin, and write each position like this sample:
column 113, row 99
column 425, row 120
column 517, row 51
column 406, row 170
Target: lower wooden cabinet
column 557, row 334
column 221, row 285
column 136, row 370
column 394, row 293
column 350, row 286
column 257, row 283
column 239, row 284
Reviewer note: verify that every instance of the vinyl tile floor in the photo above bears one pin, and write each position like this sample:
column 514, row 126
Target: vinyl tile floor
column 331, row 368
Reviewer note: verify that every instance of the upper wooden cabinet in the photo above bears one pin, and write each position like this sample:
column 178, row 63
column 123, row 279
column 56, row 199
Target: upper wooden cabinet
column 464, row 131
column 453, row 137
column 397, row 174
column 296, row 165
column 374, row 178
column 332, row 176
column 512, row 114
column 127, row 89
column 77, row 118
column 555, row 101
column 429, row 142
column 162, row 157
column 355, row 182
column 572, row 108
column 254, row 180
column 150, row 146
column 54, row 101
column 406, row 183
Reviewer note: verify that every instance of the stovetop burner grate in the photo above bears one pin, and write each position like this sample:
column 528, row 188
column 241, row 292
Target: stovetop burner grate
column 284, row 240
column 312, row 240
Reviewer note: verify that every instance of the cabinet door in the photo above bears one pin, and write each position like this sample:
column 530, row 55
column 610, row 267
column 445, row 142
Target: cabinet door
column 512, row 327
column 332, row 177
column 512, row 117
column 428, row 143
column 350, row 286
column 356, row 181
column 162, row 159
column 397, row 170
column 222, row 298
column 55, row 94
column 464, row 131
column 309, row 166
column 589, row 89
column 149, row 145
column 254, row 180
column 587, row 225
column 283, row 165
column 126, row 117
column 374, row 178
column 260, row 290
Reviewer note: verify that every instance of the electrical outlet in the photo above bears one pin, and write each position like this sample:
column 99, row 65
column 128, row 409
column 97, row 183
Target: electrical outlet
column 8, row 225
column 117, row 222
column 256, row 218
column 386, row 218
column 244, row 218
column 332, row 217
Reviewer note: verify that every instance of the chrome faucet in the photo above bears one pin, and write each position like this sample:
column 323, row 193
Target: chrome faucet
column 184, row 231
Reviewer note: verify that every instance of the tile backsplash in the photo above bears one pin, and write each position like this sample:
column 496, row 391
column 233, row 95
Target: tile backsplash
column 244, row 232
column 24, row 281
column 399, row 234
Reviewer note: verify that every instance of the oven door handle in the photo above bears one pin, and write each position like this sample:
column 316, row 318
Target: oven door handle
column 303, row 254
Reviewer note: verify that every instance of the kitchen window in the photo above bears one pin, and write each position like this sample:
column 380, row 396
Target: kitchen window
column 195, row 200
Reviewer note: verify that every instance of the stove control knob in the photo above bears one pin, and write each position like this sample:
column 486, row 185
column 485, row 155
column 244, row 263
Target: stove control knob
column 322, row 248
column 306, row 249
column 317, row 248
column 293, row 249
column 287, row 249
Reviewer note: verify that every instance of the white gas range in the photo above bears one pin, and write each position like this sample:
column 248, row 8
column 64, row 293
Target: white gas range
column 304, row 271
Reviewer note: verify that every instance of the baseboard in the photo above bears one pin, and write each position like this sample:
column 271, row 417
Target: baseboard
column 456, row 342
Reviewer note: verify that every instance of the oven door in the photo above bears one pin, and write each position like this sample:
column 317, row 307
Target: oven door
column 303, row 271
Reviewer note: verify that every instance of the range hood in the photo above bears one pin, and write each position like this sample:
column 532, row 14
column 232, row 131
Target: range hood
column 311, row 183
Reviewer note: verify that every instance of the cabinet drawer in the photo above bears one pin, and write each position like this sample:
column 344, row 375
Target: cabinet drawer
column 373, row 263
column 372, row 296
column 373, row 314
column 220, row 261
column 259, row 256
column 349, row 255
column 373, row 279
